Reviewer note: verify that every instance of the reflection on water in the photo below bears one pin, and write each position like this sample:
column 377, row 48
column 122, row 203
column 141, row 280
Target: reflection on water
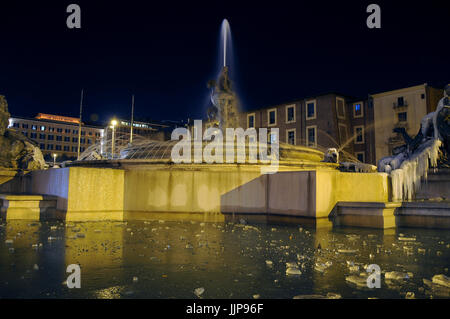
column 157, row 259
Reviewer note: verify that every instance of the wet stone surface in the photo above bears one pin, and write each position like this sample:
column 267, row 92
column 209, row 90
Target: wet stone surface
column 162, row 259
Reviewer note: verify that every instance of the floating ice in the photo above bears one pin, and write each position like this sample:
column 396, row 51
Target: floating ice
column 199, row 291
column 442, row 280
column 293, row 271
column 396, row 275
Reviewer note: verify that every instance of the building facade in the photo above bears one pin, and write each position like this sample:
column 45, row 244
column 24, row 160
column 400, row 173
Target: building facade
column 324, row 121
column 154, row 130
column 57, row 134
column 401, row 108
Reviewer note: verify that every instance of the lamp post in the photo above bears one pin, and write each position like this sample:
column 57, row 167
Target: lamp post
column 113, row 126
column 54, row 159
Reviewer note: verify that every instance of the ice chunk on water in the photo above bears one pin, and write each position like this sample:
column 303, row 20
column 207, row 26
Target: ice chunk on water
column 442, row 280
column 396, row 275
column 293, row 271
column 199, row 291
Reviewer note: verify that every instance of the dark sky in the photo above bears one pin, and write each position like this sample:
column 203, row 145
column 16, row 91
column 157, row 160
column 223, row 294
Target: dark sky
column 164, row 52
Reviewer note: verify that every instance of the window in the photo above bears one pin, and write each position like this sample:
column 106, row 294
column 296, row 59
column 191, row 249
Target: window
column 66, row 139
column 16, row 125
column 357, row 110
column 359, row 134
column 51, row 129
column 400, row 101
column 34, row 127
column 343, row 133
column 51, row 137
column 74, row 139
column 59, row 130
column 90, row 133
column 57, row 147
column 82, row 140
column 83, row 133
column 42, row 128
column 75, row 131
column 290, row 136
column 25, row 133
column 59, row 138
column 50, row 147
column 82, row 149
column 310, row 110
column 42, row 146
column 33, row 135
column 66, row 148
column 402, row 116
column 422, row 96
column 311, row 136
column 290, row 114
column 67, row 131
column 89, row 141
column 360, row 156
column 272, row 117
column 74, row 149
column 340, row 108
column 42, row 136
column 250, row 120
column 24, row 125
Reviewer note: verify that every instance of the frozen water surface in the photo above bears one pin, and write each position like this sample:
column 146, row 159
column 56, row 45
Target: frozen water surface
column 156, row 259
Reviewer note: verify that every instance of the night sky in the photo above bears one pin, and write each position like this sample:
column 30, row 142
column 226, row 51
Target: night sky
column 165, row 53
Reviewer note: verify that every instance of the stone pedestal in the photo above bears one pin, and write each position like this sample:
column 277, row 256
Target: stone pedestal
column 29, row 207
column 364, row 214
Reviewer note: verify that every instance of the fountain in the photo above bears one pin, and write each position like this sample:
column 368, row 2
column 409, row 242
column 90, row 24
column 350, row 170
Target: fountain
column 225, row 109
column 143, row 180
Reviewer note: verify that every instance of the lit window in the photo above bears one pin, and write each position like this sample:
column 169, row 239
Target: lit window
column 42, row 128
column 34, row 127
column 357, row 110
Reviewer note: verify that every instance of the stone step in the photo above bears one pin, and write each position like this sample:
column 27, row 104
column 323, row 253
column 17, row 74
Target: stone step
column 29, row 207
column 436, row 186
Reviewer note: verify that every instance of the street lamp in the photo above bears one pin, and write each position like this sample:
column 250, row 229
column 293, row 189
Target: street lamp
column 113, row 126
column 54, row 159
